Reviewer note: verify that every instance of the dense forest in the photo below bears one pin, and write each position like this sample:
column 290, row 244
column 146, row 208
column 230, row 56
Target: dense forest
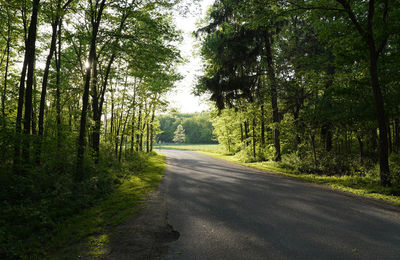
column 198, row 128
column 313, row 85
column 81, row 81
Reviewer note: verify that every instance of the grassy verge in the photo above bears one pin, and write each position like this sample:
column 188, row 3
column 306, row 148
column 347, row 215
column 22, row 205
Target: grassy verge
column 362, row 186
column 212, row 148
column 110, row 211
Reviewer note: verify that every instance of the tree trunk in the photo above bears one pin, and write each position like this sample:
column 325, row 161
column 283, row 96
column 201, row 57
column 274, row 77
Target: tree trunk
column 147, row 137
column 58, row 93
column 98, row 101
column 241, row 132
column 133, row 132
column 297, row 125
column 396, row 134
column 21, row 93
column 389, row 133
column 122, row 137
column 314, row 150
column 361, row 144
column 112, row 114
column 254, row 138
column 98, row 98
column 138, row 147
column 4, row 94
column 30, row 50
column 85, row 98
column 381, row 117
column 246, row 133
column 262, row 126
column 326, row 131
column 274, row 96
column 152, row 127
column 33, row 125
column 368, row 37
column 44, row 89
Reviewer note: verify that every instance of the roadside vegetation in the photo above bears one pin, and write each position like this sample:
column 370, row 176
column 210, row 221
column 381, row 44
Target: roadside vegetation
column 212, row 148
column 366, row 186
column 81, row 83
column 92, row 227
column 311, row 87
column 66, row 213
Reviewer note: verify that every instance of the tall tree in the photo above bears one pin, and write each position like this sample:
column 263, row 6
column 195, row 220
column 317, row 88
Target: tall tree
column 95, row 15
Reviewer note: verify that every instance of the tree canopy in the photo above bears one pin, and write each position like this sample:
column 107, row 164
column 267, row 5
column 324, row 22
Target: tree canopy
column 315, row 80
column 81, row 83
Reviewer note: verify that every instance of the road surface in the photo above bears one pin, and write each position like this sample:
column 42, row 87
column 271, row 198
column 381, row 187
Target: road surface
column 227, row 211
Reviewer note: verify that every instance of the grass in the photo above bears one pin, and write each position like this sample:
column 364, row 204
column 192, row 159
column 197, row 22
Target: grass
column 91, row 224
column 362, row 186
column 211, row 148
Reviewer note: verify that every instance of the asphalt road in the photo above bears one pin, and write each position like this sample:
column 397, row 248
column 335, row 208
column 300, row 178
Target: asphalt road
column 227, row 211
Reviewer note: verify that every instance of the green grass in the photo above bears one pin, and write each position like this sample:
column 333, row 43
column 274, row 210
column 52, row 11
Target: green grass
column 212, row 148
column 362, row 186
column 91, row 224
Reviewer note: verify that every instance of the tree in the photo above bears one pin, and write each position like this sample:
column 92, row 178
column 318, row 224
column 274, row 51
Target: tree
column 95, row 18
column 179, row 135
column 297, row 74
column 373, row 20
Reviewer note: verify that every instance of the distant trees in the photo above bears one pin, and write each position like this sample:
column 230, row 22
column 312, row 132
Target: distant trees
column 295, row 78
column 198, row 128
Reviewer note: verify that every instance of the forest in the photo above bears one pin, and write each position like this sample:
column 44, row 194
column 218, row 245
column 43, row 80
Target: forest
column 198, row 128
column 81, row 81
column 313, row 85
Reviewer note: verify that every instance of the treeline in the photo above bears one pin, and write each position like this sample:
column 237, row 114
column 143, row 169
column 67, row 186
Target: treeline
column 81, row 83
column 313, row 84
column 198, row 128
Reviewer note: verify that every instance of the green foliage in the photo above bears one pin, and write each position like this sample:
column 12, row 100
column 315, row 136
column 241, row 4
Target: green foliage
column 227, row 130
column 41, row 206
column 45, row 178
column 179, row 135
column 168, row 125
column 395, row 168
column 323, row 117
column 198, row 127
column 138, row 175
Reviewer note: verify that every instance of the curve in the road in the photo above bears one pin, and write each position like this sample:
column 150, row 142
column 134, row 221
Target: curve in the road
column 227, row 211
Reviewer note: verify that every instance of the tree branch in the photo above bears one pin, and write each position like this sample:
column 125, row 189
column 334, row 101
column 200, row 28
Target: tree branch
column 353, row 18
column 312, row 7
column 385, row 24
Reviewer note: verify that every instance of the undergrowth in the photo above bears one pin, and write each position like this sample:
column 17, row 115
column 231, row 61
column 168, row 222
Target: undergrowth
column 44, row 210
column 346, row 173
column 363, row 184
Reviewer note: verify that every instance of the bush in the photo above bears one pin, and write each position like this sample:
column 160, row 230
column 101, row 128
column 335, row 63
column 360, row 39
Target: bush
column 33, row 204
column 327, row 164
column 245, row 155
column 290, row 161
column 394, row 162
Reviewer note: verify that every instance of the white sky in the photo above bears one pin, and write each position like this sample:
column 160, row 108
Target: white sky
column 182, row 98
